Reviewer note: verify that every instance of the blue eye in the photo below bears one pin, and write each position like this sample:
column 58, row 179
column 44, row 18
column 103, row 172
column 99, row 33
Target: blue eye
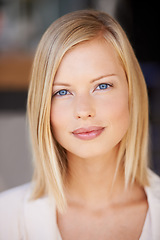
column 103, row 86
column 62, row 92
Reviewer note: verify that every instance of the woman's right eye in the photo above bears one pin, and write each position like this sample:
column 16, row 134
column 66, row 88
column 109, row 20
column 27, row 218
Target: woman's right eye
column 62, row 92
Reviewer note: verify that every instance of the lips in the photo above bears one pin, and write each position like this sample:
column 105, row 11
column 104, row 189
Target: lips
column 88, row 133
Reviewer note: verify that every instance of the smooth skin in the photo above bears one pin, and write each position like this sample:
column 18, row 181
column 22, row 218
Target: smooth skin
column 90, row 89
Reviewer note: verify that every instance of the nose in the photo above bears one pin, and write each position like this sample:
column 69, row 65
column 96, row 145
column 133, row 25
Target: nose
column 84, row 107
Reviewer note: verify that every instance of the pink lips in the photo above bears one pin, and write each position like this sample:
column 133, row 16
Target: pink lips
column 88, row 133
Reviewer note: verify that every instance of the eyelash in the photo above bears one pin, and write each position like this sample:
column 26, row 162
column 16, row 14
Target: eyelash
column 108, row 85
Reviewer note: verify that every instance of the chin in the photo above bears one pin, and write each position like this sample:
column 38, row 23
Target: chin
column 92, row 153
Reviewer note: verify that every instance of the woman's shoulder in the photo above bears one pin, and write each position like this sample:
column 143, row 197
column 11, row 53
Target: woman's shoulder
column 154, row 185
column 153, row 190
column 153, row 197
column 14, row 194
column 23, row 216
column 11, row 205
column 12, row 199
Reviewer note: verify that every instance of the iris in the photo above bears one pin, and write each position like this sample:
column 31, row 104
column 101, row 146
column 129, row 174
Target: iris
column 103, row 86
column 62, row 92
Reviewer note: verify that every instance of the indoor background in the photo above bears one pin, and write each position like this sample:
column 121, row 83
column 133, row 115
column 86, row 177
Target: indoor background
column 22, row 23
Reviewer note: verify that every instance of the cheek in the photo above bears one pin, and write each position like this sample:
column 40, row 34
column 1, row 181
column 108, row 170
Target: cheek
column 116, row 112
column 121, row 116
column 55, row 118
column 58, row 118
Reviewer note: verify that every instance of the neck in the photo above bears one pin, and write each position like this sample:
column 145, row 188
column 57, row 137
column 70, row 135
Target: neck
column 90, row 181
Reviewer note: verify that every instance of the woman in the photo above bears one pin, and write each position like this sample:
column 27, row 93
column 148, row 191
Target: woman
column 88, row 118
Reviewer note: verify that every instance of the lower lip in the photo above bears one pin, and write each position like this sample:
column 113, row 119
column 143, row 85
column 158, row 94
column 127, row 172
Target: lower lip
column 89, row 135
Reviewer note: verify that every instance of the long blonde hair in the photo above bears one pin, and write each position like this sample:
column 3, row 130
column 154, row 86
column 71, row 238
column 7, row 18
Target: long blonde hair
column 49, row 157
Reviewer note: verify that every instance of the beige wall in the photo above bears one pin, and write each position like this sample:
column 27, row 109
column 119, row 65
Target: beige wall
column 15, row 157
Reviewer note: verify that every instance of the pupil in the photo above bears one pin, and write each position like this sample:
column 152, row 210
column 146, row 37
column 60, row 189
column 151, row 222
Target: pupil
column 103, row 86
column 63, row 92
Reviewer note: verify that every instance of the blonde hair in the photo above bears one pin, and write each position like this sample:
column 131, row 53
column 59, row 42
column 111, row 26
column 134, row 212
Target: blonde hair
column 49, row 157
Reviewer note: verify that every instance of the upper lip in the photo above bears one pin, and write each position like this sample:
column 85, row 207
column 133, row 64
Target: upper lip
column 87, row 129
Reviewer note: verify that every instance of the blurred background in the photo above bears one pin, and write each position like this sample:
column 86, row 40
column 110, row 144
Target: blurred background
column 22, row 23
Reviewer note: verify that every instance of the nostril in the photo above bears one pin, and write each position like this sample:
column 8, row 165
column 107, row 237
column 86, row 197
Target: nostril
column 81, row 116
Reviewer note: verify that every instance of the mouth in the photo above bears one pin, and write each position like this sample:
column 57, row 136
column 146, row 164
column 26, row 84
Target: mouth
column 88, row 133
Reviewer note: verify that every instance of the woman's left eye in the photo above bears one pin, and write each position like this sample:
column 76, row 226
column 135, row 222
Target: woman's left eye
column 103, row 86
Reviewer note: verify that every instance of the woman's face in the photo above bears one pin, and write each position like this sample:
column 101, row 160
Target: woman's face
column 89, row 110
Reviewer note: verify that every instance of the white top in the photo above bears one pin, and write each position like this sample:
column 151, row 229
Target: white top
column 23, row 219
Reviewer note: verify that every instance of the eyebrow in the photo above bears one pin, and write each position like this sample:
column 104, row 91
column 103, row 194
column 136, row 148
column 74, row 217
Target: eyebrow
column 93, row 80
column 103, row 76
column 61, row 84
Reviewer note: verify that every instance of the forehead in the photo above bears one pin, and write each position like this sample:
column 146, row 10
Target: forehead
column 89, row 57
